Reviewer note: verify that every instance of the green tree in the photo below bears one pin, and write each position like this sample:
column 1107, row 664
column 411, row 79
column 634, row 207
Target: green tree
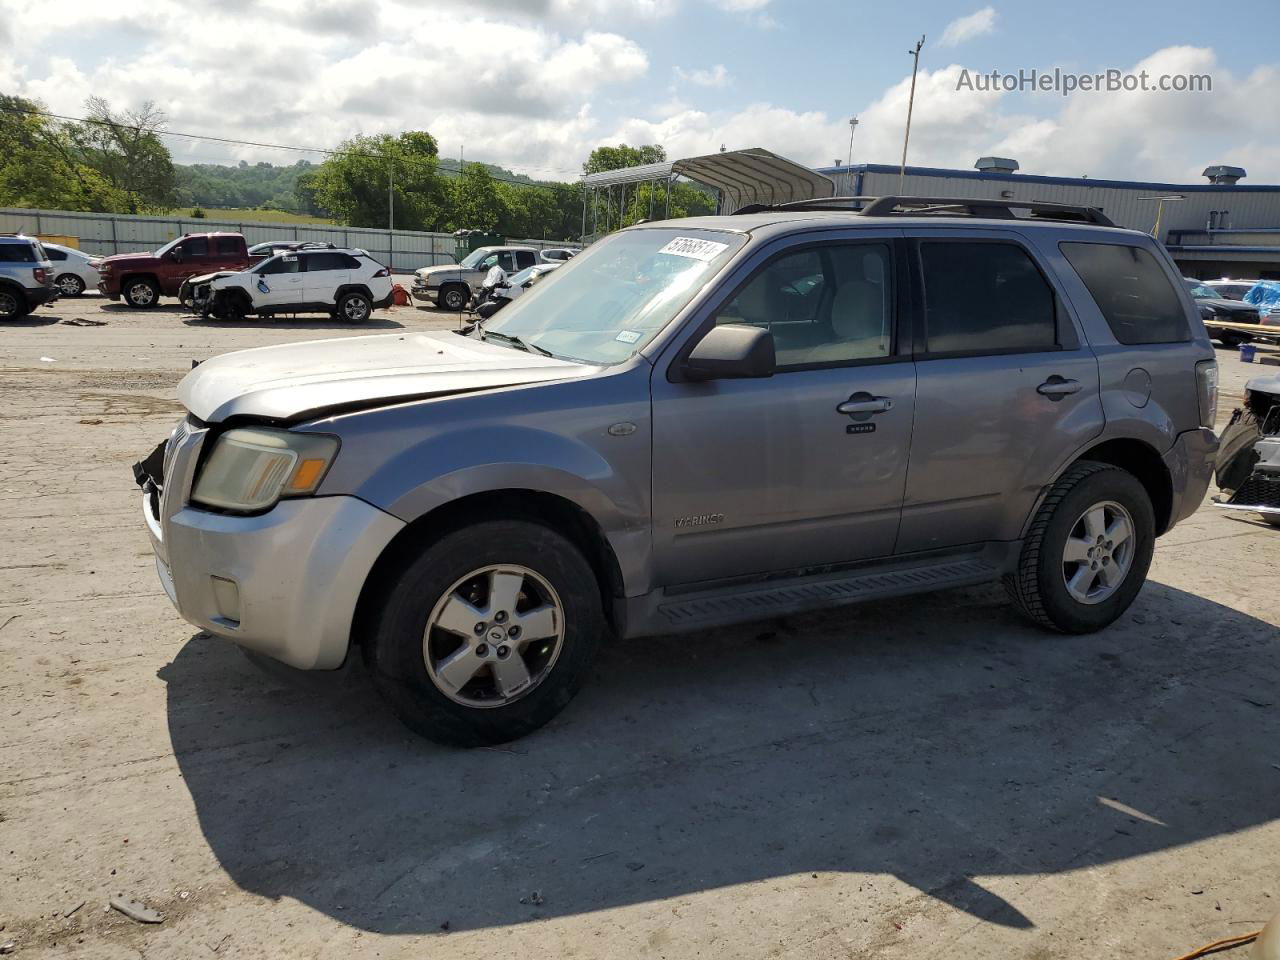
column 40, row 167
column 615, row 158
column 125, row 148
column 353, row 183
column 477, row 203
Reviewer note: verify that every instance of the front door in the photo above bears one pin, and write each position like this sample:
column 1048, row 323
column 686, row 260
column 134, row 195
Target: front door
column 1007, row 390
column 279, row 282
column 806, row 467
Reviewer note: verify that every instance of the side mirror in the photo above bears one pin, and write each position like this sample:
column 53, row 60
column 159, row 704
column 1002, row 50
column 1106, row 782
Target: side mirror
column 176, row 254
column 732, row 351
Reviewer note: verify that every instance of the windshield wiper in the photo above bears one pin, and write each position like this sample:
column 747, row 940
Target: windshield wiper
column 515, row 342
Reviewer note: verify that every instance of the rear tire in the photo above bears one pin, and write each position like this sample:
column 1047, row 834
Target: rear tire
column 69, row 284
column 353, row 307
column 1077, row 574
column 453, row 686
column 1232, row 340
column 141, row 293
column 13, row 304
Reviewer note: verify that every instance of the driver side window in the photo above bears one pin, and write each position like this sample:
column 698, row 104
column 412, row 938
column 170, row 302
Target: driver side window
column 283, row 265
column 824, row 304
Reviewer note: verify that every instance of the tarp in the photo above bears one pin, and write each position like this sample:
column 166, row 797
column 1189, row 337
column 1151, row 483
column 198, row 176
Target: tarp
column 1264, row 293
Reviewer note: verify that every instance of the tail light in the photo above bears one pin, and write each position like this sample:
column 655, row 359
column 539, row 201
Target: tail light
column 39, row 274
column 1207, row 391
column 384, row 272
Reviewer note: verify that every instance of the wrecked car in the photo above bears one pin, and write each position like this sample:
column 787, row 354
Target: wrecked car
column 1248, row 469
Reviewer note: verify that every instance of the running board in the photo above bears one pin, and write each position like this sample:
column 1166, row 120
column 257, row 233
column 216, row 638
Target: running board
column 664, row 612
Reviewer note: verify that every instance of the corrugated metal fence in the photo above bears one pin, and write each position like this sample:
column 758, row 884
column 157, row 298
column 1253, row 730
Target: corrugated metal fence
column 108, row 233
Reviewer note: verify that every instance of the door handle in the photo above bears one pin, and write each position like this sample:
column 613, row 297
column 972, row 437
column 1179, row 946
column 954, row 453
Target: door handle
column 1056, row 387
column 864, row 403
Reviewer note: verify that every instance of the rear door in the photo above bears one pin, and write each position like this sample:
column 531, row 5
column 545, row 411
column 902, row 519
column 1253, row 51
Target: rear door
column 1006, row 388
column 772, row 475
column 325, row 272
column 228, row 253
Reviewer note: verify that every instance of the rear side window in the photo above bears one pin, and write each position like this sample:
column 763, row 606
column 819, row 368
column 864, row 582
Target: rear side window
column 17, row 253
column 330, row 261
column 54, row 254
column 1131, row 291
column 227, row 246
column 525, row 258
column 985, row 298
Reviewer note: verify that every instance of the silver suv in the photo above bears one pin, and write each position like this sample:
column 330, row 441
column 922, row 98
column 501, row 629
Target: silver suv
column 699, row 422
column 451, row 286
column 26, row 276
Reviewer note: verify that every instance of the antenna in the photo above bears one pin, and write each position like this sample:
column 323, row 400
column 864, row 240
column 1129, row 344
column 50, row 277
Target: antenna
column 906, row 137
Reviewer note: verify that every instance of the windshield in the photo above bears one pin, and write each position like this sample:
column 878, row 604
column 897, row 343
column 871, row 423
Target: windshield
column 522, row 276
column 473, row 258
column 1201, row 292
column 614, row 297
column 168, row 246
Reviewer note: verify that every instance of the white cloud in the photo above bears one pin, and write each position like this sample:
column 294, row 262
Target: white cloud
column 717, row 76
column 966, row 28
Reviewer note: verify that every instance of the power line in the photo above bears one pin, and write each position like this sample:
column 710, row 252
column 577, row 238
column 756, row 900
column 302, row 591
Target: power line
column 411, row 161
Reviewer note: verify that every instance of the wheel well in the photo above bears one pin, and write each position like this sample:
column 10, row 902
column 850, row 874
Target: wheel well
column 549, row 510
column 351, row 288
column 139, row 276
column 1143, row 462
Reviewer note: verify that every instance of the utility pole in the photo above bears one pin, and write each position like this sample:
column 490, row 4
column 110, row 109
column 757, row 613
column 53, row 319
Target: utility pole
column 391, row 194
column 902, row 173
column 848, row 164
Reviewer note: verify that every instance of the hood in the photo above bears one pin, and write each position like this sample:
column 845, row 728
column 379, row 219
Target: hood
column 440, row 270
column 297, row 381
column 1227, row 306
column 128, row 257
column 1269, row 385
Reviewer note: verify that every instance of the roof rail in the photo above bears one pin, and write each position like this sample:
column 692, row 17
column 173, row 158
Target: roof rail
column 949, row 207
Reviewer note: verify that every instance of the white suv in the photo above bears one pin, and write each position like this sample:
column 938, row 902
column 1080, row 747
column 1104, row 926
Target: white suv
column 349, row 284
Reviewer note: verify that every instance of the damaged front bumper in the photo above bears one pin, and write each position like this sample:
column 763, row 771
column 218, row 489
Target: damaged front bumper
column 1249, row 470
column 284, row 583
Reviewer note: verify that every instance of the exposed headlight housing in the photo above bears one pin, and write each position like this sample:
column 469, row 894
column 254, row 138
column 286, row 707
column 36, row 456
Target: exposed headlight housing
column 251, row 468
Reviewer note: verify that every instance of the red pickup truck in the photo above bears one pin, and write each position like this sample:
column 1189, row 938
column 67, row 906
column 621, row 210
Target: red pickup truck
column 142, row 278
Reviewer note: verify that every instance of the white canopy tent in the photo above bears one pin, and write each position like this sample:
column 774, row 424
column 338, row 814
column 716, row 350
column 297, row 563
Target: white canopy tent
column 740, row 177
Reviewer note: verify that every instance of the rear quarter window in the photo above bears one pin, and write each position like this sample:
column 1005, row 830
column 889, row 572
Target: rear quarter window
column 1131, row 290
column 17, row 253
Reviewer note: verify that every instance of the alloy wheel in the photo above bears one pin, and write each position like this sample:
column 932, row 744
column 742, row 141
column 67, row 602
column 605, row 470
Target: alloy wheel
column 8, row 305
column 493, row 636
column 1098, row 553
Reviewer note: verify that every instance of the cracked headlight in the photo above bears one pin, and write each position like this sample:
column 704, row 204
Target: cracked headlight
column 251, row 468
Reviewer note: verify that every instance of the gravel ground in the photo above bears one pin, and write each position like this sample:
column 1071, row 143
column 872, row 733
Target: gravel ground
column 917, row 778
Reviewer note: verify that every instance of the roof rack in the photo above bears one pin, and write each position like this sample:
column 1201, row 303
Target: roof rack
column 989, row 207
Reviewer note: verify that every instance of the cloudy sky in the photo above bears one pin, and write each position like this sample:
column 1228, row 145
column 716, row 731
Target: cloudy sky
column 535, row 84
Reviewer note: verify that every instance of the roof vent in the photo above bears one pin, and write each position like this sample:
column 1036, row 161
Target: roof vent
column 1222, row 173
column 996, row 165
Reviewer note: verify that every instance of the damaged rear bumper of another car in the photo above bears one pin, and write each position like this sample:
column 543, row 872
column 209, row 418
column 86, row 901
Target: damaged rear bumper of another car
column 1249, row 464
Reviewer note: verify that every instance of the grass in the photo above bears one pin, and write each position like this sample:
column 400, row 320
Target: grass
column 259, row 216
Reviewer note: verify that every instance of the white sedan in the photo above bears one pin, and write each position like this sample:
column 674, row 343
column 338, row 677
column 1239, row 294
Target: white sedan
column 72, row 269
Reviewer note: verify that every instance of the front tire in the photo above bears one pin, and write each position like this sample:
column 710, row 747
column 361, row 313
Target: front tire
column 488, row 634
column 1087, row 553
column 141, row 293
column 454, row 297
column 69, row 284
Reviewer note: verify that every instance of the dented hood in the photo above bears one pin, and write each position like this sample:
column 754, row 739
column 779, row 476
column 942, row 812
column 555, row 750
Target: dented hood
column 297, row 381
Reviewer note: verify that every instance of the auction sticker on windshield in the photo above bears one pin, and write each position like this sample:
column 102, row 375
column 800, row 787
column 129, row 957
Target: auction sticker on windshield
column 695, row 249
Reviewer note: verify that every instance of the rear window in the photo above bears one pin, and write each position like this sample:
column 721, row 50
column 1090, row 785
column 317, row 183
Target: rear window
column 1131, row 290
column 331, row 261
column 227, row 245
column 20, row 252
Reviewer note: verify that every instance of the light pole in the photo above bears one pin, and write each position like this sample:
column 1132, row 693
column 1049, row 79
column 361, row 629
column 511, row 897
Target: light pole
column 906, row 137
column 848, row 164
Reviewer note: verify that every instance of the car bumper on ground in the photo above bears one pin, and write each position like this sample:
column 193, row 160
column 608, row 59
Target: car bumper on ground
column 283, row 583
column 1190, row 461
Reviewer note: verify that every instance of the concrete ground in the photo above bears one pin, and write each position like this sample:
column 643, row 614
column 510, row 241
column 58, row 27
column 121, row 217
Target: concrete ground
column 919, row 778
